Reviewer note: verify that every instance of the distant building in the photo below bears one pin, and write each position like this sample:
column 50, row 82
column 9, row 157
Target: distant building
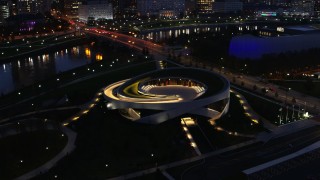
column 125, row 8
column 190, row 7
column 95, row 10
column 301, row 8
column 281, row 40
column 316, row 75
column 162, row 8
column 33, row 6
column 4, row 11
column 317, row 8
column 267, row 13
column 24, row 22
column 204, row 6
column 71, row 8
column 227, row 6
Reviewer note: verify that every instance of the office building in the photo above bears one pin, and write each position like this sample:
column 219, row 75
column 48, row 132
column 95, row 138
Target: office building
column 161, row 8
column 33, row 6
column 4, row 11
column 204, row 6
column 95, row 10
column 227, row 6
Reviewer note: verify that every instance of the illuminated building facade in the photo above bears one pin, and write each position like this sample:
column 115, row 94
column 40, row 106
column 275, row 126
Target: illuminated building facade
column 281, row 40
column 204, row 6
column 227, row 6
column 95, row 10
column 24, row 22
column 33, row 6
column 4, row 11
column 161, row 95
column 166, row 8
column 317, row 8
column 71, row 8
column 124, row 8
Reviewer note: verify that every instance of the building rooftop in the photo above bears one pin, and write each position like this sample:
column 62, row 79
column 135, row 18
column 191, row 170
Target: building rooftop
column 303, row 28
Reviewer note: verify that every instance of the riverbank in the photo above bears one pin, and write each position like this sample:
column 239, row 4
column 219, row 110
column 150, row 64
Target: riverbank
column 55, row 90
column 73, row 41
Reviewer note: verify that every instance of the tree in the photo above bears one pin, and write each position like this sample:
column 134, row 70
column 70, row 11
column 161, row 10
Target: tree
column 293, row 100
column 255, row 87
column 309, row 84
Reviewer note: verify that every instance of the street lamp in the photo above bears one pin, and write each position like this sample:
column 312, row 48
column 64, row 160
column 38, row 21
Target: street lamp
column 293, row 113
column 287, row 90
column 280, row 117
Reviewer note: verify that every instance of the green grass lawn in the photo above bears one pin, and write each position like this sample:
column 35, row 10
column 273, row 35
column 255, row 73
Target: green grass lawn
column 236, row 120
column 109, row 145
column 271, row 111
column 31, row 149
column 54, row 115
column 219, row 139
column 153, row 176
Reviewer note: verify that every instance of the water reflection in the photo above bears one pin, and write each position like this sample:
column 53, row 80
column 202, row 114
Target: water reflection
column 23, row 72
column 161, row 35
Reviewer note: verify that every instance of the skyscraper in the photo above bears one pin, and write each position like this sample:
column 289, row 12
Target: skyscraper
column 317, row 8
column 4, row 11
column 164, row 8
column 33, row 6
column 71, row 8
column 95, row 9
column 204, row 6
column 124, row 8
column 227, row 6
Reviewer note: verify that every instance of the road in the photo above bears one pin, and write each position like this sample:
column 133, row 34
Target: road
column 306, row 102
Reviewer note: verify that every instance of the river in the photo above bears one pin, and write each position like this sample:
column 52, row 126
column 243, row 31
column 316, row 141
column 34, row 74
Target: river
column 25, row 71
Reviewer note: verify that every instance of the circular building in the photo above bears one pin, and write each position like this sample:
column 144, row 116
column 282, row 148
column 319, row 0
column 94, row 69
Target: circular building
column 158, row 96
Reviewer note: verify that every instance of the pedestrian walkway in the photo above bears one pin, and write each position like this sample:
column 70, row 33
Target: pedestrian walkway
column 160, row 64
column 189, row 136
column 287, row 129
column 167, row 175
column 282, row 159
column 85, row 108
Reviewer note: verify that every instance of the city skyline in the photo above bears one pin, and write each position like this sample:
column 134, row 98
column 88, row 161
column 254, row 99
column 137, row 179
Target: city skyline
column 159, row 89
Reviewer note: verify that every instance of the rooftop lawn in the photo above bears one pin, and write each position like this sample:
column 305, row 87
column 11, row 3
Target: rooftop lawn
column 109, row 145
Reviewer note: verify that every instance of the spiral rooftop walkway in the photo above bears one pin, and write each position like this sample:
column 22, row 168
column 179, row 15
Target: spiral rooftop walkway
column 158, row 96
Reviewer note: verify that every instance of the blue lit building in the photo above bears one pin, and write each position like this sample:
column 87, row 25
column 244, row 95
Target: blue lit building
column 288, row 39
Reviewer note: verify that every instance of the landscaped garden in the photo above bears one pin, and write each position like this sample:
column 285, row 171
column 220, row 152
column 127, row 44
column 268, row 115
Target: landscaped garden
column 109, row 145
